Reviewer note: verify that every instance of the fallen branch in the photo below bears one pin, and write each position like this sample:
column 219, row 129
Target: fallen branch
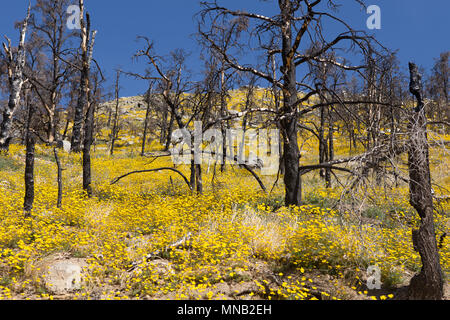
column 153, row 170
column 305, row 169
column 261, row 184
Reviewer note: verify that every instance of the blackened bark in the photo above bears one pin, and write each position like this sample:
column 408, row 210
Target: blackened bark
column 323, row 154
column 198, row 178
column 83, row 97
column 88, row 139
column 59, row 177
column 223, row 126
column 147, row 116
column 89, row 120
column 428, row 284
column 169, row 133
column 192, row 178
column 116, row 115
column 330, row 148
column 163, row 132
column 276, row 95
column 144, row 136
column 29, row 174
column 291, row 154
column 79, row 113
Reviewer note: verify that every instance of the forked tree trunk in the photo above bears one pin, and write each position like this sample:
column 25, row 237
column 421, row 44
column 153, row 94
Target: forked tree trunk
column 428, row 284
column 87, row 46
column 87, row 43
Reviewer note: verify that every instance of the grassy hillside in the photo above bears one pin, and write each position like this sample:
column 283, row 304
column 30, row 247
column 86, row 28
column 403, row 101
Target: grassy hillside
column 243, row 243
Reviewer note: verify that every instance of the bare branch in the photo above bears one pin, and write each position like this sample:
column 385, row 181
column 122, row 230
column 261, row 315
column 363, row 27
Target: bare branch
column 153, row 170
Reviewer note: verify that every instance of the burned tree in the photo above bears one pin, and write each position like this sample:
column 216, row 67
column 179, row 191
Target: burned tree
column 438, row 89
column 48, row 23
column 114, row 131
column 87, row 46
column 59, row 177
column 173, row 87
column 30, row 142
column 84, row 101
column 187, row 109
column 296, row 23
column 15, row 65
column 428, row 284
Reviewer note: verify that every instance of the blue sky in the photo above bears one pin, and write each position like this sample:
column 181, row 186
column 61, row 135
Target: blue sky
column 419, row 29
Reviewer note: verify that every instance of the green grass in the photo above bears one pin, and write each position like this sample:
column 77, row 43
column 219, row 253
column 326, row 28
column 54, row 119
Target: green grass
column 8, row 164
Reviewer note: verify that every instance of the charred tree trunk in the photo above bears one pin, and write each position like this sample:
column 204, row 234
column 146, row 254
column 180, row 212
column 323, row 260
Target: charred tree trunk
column 147, row 116
column 428, row 284
column 163, row 133
column 87, row 143
column 169, row 132
column 79, row 112
column 116, row 116
column 289, row 127
column 29, row 175
column 330, row 153
column 223, row 126
column 192, row 177
column 276, row 95
column 59, row 177
column 87, row 48
column 16, row 80
column 323, row 154
column 29, row 166
column 88, row 127
column 144, row 135
column 198, row 178
column 83, row 99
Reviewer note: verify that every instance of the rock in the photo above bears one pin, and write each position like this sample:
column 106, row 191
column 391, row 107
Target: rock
column 65, row 276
